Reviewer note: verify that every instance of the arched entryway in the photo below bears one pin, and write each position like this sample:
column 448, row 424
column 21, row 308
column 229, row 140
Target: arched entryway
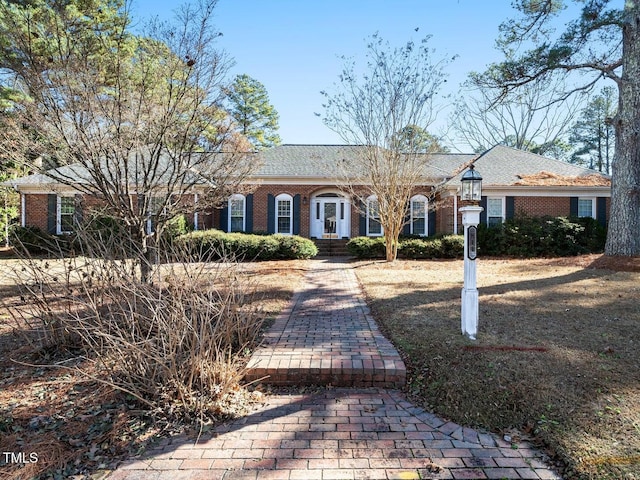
column 330, row 215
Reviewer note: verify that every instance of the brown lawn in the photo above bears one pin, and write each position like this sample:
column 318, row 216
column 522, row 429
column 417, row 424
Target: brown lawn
column 74, row 425
column 556, row 359
column 557, row 355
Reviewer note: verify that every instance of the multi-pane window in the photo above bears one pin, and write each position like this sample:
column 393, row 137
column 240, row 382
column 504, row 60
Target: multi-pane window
column 495, row 211
column 284, row 214
column 585, row 207
column 236, row 213
column 66, row 212
column 418, row 220
column 374, row 227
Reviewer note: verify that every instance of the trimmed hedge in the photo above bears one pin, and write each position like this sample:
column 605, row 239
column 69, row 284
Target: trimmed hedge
column 214, row 244
column 443, row 246
column 528, row 237
column 524, row 237
column 366, row 247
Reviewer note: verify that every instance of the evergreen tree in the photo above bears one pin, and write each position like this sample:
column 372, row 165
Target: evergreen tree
column 594, row 134
column 602, row 42
column 137, row 115
column 254, row 117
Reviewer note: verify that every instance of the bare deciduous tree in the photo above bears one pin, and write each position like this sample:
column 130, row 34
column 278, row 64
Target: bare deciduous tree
column 523, row 119
column 396, row 91
column 135, row 120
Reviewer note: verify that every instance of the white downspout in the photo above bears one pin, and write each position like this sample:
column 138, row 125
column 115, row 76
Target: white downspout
column 455, row 213
column 23, row 211
column 195, row 213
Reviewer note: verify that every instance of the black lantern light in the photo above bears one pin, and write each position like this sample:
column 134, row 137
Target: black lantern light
column 471, row 185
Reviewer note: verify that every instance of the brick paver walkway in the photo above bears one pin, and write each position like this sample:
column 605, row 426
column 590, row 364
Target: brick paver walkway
column 336, row 433
column 327, row 336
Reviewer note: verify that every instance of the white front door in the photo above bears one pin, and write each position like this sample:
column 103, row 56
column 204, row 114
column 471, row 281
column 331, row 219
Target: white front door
column 330, row 218
column 329, row 213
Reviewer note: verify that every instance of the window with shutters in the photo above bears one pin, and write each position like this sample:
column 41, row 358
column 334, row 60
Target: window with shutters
column 237, row 213
column 586, row 207
column 374, row 227
column 284, row 214
column 495, row 211
column 66, row 210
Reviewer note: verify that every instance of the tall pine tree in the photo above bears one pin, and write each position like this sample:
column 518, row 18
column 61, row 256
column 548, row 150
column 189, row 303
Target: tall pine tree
column 593, row 134
column 602, row 42
column 253, row 115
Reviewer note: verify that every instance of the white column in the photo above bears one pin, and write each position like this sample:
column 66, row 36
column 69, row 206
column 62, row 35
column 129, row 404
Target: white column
column 195, row 212
column 455, row 214
column 469, row 304
column 23, row 210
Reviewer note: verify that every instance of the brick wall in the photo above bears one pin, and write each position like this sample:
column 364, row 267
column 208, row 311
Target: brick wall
column 541, row 206
column 260, row 196
column 36, row 211
column 531, row 206
column 444, row 216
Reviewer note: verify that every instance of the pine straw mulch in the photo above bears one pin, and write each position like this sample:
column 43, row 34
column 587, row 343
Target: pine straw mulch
column 76, row 426
column 553, row 179
column 556, row 357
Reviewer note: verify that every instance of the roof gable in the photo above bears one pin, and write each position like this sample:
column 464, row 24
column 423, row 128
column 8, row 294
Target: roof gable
column 507, row 166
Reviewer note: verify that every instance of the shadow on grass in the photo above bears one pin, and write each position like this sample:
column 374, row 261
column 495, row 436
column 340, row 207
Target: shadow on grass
column 576, row 381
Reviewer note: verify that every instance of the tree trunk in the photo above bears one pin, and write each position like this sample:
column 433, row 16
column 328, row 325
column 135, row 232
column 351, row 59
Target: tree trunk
column 146, row 257
column 623, row 237
column 391, row 236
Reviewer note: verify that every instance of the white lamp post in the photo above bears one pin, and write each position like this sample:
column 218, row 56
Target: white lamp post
column 471, row 191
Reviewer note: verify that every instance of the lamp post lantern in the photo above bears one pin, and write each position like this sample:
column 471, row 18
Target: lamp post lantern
column 471, row 191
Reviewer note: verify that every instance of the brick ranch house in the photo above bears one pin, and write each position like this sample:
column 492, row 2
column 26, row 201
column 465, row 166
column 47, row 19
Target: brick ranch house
column 295, row 192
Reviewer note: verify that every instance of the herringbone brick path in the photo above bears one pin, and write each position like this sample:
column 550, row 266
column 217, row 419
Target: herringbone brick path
column 327, row 336
column 339, row 434
column 336, row 433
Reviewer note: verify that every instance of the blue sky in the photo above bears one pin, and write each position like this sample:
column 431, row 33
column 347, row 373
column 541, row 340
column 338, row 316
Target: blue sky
column 292, row 46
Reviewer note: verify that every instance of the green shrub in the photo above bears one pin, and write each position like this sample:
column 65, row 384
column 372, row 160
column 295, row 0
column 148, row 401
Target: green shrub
column 443, row 246
column 452, row 246
column 105, row 236
column 175, row 227
column 291, row 247
column 33, row 240
column 529, row 237
column 214, row 244
column 366, row 247
column 419, row 248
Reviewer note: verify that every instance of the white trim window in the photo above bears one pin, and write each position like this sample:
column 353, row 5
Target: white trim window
column 65, row 214
column 284, row 214
column 374, row 227
column 237, row 213
column 495, row 211
column 418, row 221
column 586, row 207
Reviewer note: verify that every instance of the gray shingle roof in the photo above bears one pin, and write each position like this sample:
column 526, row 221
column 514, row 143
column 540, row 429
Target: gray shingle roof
column 323, row 161
column 503, row 166
column 79, row 174
column 499, row 166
